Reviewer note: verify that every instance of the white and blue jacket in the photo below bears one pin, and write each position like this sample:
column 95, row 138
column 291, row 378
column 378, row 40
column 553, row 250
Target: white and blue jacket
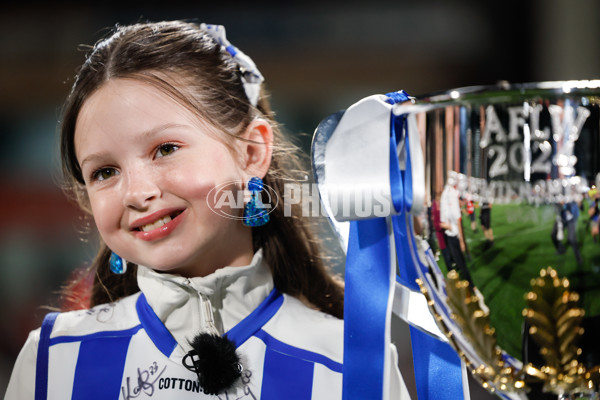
column 124, row 350
column 133, row 348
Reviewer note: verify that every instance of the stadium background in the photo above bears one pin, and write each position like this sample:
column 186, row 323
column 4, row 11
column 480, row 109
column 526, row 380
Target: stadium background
column 317, row 57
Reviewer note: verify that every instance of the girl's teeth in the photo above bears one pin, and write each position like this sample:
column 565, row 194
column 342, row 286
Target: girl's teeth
column 156, row 224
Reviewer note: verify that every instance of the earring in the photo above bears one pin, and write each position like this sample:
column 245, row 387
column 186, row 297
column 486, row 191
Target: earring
column 118, row 265
column 255, row 212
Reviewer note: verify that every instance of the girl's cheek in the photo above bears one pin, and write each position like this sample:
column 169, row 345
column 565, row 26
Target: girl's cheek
column 104, row 212
column 188, row 183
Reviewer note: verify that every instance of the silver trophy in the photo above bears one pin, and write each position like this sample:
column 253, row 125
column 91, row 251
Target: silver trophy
column 514, row 281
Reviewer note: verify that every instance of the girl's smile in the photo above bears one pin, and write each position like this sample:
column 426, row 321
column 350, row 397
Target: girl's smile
column 157, row 225
column 148, row 166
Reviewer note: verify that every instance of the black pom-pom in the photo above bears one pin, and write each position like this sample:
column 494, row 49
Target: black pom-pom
column 214, row 359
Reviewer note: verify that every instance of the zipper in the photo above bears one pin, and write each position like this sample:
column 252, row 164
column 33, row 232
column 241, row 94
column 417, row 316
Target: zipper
column 207, row 315
column 206, row 311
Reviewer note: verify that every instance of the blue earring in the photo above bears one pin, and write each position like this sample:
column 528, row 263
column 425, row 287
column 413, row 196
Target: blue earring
column 255, row 212
column 118, row 265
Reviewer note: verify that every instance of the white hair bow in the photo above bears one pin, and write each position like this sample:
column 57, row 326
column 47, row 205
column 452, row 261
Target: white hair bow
column 251, row 76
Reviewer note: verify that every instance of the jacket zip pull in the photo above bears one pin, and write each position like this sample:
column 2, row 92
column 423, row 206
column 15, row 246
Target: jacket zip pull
column 207, row 315
column 206, row 310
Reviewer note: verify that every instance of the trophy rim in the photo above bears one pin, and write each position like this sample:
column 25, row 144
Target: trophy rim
column 505, row 92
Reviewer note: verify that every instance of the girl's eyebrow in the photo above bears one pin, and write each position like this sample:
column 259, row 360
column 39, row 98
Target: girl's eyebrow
column 149, row 133
column 158, row 129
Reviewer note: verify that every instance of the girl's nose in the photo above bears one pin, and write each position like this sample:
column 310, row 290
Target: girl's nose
column 141, row 189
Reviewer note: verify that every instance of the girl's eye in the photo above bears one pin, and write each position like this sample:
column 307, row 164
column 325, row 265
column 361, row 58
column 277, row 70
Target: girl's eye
column 166, row 149
column 104, row 173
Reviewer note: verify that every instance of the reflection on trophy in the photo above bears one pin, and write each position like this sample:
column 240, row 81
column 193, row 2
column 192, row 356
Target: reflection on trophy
column 528, row 156
column 490, row 199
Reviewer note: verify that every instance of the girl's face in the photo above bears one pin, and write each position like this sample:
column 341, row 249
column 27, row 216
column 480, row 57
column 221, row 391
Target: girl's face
column 148, row 165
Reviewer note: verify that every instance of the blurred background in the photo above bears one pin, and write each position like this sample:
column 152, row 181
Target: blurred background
column 317, row 57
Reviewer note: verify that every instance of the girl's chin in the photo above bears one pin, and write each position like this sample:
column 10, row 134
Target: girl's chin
column 186, row 271
column 170, row 269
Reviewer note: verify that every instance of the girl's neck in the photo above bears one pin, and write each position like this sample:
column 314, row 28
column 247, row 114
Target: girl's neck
column 234, row 251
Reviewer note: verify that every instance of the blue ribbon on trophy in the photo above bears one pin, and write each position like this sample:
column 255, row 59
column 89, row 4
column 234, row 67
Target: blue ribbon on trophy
column 368, row 165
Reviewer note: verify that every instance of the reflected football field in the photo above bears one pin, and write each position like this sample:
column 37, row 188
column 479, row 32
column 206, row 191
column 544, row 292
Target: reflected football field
column 522, row 247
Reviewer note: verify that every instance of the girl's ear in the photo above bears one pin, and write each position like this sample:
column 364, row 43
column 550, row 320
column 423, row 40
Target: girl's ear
column 257, row 148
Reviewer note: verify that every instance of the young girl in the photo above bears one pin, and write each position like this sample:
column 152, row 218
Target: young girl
column 193, row 296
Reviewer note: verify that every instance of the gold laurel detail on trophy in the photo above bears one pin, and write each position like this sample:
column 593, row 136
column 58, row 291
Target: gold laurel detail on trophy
column 554, row 318
column 467, row 312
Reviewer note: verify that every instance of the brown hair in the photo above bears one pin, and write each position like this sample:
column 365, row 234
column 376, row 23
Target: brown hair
column 188, row 65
